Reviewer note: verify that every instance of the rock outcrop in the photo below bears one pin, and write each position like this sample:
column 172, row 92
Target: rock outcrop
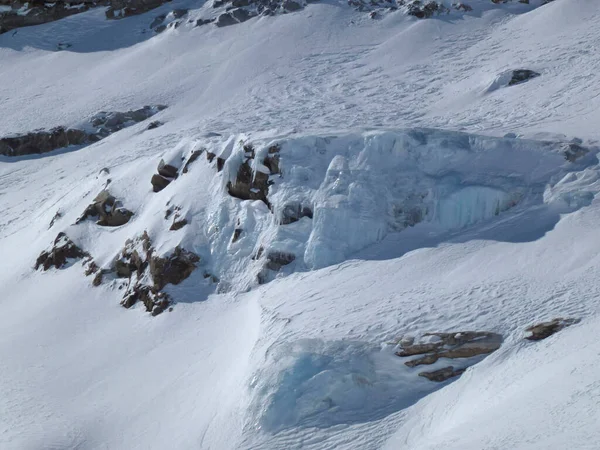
column 100, row 126
column 107, row 210
column 521, row 76
column 43, row 141
column 434, row 346
column 37, row 12
column 63, row 250
column 543, row 330
column 251, row 184
column 148, row 273
column 119, row 9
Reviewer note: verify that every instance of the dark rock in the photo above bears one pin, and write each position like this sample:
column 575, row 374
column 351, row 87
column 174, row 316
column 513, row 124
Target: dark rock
column 201, row 22
column 172, row 269
column 159, row 183
column 178, row 224
column 442, row 374
column 57, row 216
column 107, row 210
column 153, row 125
column 236, row 235
column 521, row 76
column 225, row 20
column 241, row 15
column 276, row 260
column 293, row 212
column 167, row 170
column 543, row 330
column 179, row 13
column 193, row 157
column 62, row 250
column 255, row 186
column 40, row 11
column 158, row 20
column 41, row 141
column 60, row 137
column 290, row 5
column 451, row 345
column 574, row 151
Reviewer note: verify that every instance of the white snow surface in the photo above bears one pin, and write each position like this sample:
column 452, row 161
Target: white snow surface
column 441, row 200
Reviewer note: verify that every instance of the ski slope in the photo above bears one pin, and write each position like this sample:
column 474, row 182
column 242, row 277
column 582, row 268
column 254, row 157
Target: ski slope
column 441, row 201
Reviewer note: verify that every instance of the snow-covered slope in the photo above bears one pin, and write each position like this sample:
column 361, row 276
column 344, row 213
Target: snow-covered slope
column 398, row 185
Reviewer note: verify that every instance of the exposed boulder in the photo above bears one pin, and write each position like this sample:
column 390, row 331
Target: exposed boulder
column 543, row 330
column 433, row 346
column 107, row 210
column 63, row 250
column 521, row 76
column 159, row 183
column 101, row 125
column 155, row 124
column 442, row 374
column 293, row 212
column 178, row 224
column 166, row 174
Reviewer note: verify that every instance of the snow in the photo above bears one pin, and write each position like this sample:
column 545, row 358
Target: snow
column 441, row 200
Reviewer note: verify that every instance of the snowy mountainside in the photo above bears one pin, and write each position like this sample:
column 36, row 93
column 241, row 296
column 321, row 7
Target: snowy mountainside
column 335, row 235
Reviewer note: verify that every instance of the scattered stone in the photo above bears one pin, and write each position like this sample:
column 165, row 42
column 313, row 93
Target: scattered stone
column 59, row 255
column 107, row 210
column 521, row 76
column 543, row 330
column 442, row 374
